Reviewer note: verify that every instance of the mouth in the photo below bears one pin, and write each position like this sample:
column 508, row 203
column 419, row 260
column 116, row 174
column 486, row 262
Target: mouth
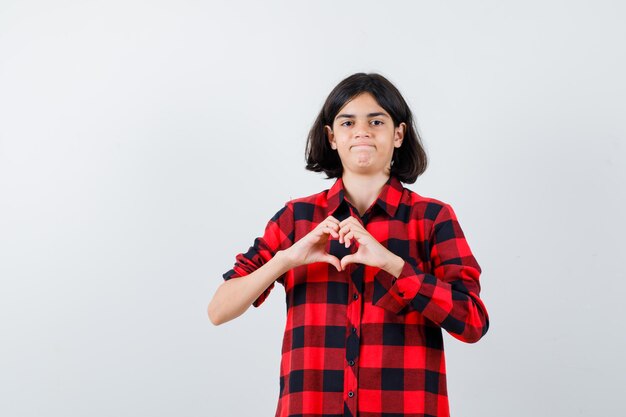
column 362, row 146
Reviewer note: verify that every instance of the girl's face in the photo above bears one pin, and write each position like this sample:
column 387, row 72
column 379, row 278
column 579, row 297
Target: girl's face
column 364, row 136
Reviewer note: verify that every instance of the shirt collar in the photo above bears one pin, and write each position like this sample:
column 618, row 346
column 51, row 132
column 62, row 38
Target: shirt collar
column 388, row 199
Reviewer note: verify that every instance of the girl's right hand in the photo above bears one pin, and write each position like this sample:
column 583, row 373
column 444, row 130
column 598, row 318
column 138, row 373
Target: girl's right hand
column 312, row 247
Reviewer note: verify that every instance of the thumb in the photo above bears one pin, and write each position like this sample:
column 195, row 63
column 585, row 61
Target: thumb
column 348, row 259
column 333, row 260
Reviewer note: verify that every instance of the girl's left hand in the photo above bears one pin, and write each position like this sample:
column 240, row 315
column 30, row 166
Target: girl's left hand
column 369, row 251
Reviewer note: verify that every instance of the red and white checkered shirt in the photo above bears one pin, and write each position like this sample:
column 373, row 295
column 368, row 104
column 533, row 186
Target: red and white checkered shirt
column 362, row 342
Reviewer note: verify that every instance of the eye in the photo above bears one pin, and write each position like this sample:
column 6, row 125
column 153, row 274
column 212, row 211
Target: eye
column 346, row 123
column 377, row 122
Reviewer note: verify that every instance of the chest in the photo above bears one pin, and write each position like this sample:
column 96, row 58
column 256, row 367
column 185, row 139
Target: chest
column 405, row 235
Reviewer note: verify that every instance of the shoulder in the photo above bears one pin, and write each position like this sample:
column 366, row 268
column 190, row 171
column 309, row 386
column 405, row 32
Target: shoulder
column 425, row 207
column 300, row 207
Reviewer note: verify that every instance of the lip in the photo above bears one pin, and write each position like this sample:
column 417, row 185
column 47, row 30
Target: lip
column 362, row 145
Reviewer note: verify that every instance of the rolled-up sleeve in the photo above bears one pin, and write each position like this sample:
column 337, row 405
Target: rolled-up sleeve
column 278, row 235
column 449, row 296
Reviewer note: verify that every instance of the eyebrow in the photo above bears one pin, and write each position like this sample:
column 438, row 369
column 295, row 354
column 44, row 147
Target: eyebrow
column 349, row 116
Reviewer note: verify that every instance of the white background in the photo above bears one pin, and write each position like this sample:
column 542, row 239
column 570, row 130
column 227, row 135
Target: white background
column 143, row 144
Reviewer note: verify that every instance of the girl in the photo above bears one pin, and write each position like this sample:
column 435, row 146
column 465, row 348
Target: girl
column 372, row 271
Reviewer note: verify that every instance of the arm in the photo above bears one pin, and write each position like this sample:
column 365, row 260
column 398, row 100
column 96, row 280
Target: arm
column 268, row 260
column 235, row 296
column 449, row 296
column 261, row 265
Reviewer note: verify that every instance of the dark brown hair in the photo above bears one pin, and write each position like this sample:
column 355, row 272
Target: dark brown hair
column 409, row 160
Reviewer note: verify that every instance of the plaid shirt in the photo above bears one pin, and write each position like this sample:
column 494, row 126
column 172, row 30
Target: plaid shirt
column 361, row 341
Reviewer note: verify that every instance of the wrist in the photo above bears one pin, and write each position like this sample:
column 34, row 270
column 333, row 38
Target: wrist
column 282, row 256
column 394, row 266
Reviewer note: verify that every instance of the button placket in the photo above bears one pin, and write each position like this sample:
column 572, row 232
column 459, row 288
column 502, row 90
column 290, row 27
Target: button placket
column 353, row 339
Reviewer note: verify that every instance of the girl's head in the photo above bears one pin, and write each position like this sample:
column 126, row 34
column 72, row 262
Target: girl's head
column 365, row 109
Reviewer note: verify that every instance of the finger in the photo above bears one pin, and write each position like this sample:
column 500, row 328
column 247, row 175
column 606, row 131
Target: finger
column 352, row 225
column 333, row 260
column 326, row 227
column 329, row 230
column 342, row 233
column 348, row 237
column 333, row 226
column 319, row 232
column 332, row 220
column 348, row 259
column 349, row 220
column 347, row 228
column 356, row 226
column 330, row 223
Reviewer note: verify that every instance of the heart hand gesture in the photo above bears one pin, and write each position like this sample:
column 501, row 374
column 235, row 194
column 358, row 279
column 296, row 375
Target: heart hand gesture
column 369, row 250
column 312, row 247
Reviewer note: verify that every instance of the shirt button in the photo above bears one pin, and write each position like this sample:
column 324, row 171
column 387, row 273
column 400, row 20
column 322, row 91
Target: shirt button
column 351, row 362
column 355, row 296
column 350, row 394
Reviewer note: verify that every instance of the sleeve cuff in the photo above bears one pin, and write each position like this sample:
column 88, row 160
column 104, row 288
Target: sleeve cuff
column 395, row 294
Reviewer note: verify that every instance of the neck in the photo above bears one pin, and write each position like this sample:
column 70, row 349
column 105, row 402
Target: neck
column 362, row 190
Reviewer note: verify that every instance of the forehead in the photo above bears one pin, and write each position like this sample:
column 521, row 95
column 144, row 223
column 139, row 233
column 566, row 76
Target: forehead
column 361, row 105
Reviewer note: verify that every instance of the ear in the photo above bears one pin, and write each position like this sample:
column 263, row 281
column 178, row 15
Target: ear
column 331, row 136
column 398, row 136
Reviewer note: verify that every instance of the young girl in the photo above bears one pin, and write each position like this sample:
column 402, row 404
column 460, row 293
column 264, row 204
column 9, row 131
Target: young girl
column 372, row 271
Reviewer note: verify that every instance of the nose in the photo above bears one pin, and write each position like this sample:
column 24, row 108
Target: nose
column 362, row 130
